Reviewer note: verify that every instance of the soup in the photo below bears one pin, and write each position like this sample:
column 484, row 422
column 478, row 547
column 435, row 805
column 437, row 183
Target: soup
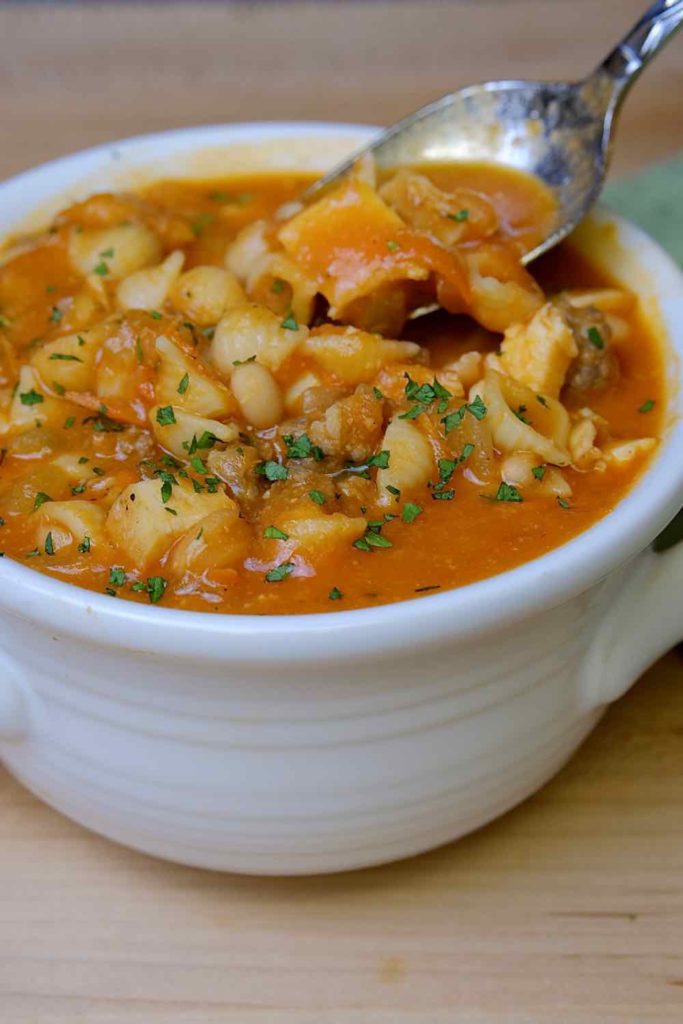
column 215, row 399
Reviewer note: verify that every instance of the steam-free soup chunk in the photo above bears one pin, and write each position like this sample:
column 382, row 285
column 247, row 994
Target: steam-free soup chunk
column 215, row 398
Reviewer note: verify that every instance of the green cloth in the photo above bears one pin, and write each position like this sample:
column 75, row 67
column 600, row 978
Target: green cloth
column 654, row 200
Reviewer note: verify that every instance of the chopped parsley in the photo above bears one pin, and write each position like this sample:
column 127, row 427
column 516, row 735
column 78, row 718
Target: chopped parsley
column 69, row 422
column 41, row 498
column 66, row 358
column 410, row 512
column 78, row 489
column 155, row 315
column 200, row 223
column 424, row 396
column 278, row 286
column 156, row 588
column 538, row 472
column 647, row 406
column 542, row 400
column 301, row 447
column 459, row 217
column 475, row 408
column 595, row 338
column 272, row 470
column 84, row 546
column 519, row 413
column 274, row 533
column 31, row 397
column 289, row 323
column 562, row 502
column 101, row 269
column 49, row 544
column 165, row 415
column 280, row 572
column 117, row 577
column 507, row 492
column 243, row 362
column 393, row 246
column 381, row 459
column 393, row 490
column 184, row 384
column 378, row 394
column 335, row 594
column 317, row 497
column 139, row 354
column 55, row 315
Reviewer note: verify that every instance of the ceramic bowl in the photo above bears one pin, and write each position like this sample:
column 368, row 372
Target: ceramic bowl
column 314, row 743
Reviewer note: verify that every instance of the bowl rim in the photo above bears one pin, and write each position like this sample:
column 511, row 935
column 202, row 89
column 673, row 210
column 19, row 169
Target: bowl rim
column 467, row 611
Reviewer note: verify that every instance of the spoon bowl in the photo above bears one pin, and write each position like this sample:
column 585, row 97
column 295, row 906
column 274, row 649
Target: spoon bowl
column 558, row 131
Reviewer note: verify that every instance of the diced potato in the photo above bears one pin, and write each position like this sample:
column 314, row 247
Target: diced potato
column 582, row 447
column 69, row 361
column 320, row 535
column 149, row 288
column 204, row 294
column 411, row 460
column 70, row 523
column 114, row 252
column 254, row 331
column 219, row 541
column 174, row 429
column 356, row 356
column 538, row 352
column 140, row 525
column 200, row 394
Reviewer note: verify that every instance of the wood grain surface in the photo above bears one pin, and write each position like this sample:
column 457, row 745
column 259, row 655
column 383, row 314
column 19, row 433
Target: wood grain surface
column 567, row 911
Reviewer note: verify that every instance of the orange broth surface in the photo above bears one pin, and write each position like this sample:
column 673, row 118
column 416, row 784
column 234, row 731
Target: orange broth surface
column 452, row 542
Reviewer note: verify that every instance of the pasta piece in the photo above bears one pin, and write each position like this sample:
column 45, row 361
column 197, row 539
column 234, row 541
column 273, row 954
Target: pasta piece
column 219, row 541
column 355, row 356
column 518, row 470
column 176, row 429
column 141, row 526
column 352, row 427
column 606, row 300
column 539, row 352
column 258, row 395
column 149, row 288
column 278, row 283
column 204, row 294
column 254, row 331
column 621, row 453
column 248, row 248
column 69, row 361
column 411, row 460
column 114, row 252
column 70, row 523
column 521, row 421
column 502, row 291
column 31, row 403
column 582, row 447
column 183, row 382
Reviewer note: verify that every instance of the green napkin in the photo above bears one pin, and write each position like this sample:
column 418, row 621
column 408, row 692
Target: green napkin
column 654, row 200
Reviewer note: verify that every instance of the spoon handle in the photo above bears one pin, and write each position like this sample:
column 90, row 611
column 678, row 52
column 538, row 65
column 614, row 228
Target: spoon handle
column 623, row 65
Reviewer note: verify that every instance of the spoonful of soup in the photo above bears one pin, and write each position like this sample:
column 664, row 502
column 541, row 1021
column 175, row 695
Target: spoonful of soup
column 559, row 132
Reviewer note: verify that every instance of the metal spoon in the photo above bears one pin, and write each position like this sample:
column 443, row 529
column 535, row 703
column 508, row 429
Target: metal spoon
column 559, row 131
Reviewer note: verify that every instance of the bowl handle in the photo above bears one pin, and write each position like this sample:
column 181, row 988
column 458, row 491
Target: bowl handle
column 644, row 621
column 14, row 703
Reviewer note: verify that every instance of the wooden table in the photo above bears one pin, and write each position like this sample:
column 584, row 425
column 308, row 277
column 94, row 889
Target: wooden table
column 567, row 911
